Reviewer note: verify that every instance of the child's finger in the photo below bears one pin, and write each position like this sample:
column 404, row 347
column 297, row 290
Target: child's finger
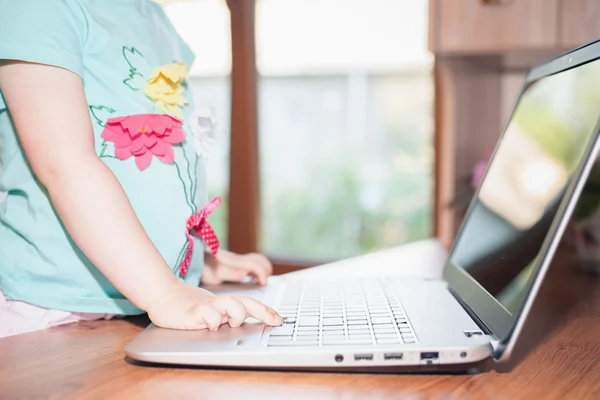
column 258, row 266
column 263, row 261
column 232, row 308
column 253, row 268
column 258, row 310
column 205, row 316
column 227, row 273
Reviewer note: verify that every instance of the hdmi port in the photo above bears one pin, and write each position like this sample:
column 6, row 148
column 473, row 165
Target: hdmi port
column 392, row 356
column 363, row 357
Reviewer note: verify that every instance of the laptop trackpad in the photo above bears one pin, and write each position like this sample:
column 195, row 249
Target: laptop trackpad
column 225, row 338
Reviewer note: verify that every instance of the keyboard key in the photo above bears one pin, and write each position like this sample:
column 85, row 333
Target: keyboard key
column 357, row 322
column 388, row 341
column 358, row 327
column 361, row 336
column 307, row 333
column 289, row 320
column 358, row 331
column 379, row 310
column 379, row 316
column 385, row 335
column 312, row 308
column 308, row 329
column 384, row 326
column 356, row 313
column 356, row 317
column 314, row 338
column 332, row 321
column 384, row 330
column 348, row 342
column 310, row 313
column 308, row 321
column 355, row 328
column 379, row 321
column 405, row 329
column 351, row 317
column 332, row 327
column 284, row 330
column 334, row 333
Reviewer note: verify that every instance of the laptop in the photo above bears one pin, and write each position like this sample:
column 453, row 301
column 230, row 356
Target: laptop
column 474, row 312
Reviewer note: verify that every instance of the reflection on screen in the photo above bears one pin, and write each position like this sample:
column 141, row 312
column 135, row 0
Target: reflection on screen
column 541, row 148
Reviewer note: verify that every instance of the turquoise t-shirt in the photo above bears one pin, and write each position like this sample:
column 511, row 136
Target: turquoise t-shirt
column 132, row 61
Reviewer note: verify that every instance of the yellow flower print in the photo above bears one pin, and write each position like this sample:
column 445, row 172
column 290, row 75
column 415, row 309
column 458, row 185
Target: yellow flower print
column 165, row 88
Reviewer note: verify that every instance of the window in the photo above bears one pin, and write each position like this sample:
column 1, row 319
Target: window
column 345, row 126
column 340, row 161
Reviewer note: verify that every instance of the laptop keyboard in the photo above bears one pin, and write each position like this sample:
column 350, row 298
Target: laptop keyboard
column 341, row 313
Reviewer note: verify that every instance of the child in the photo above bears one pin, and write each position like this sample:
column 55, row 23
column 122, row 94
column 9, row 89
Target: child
column 103, row 195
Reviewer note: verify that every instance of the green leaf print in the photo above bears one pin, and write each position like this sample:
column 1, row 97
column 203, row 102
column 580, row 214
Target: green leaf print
column 135, row 80
column 100, row 114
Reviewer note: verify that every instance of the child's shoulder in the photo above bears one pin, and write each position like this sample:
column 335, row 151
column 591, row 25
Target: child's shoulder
column 74, row 33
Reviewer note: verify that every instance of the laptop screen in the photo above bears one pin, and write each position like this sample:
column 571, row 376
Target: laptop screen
column 545, row 141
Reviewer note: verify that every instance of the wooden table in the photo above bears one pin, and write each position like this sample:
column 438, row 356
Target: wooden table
column 86, row 360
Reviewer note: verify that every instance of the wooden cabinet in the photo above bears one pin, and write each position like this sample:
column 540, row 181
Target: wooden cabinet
column 483, row 49
column 580, row 22
column 484, row 26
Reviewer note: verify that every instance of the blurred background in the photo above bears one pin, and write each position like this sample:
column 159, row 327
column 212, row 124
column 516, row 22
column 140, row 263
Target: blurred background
column 357, row 123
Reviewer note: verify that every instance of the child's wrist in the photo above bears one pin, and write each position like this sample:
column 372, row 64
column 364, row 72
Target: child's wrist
column 154, row 295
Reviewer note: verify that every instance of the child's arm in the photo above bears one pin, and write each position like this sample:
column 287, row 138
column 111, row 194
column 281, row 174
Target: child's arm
column 50, row 113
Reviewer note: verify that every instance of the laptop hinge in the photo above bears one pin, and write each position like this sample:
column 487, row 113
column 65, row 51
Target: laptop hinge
column 473, row 315
column 495, row 343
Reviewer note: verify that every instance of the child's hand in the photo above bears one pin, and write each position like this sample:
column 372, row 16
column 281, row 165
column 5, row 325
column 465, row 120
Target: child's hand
column 189, row 308
column 231, row 267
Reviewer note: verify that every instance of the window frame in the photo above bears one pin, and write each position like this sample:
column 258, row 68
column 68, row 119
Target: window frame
column 243, row 222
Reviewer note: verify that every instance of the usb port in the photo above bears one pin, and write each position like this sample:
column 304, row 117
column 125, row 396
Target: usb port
column 363, row 357
column 392, row 356
column 430, row 355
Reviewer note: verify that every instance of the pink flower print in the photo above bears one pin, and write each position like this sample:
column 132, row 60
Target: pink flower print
column 144, row 135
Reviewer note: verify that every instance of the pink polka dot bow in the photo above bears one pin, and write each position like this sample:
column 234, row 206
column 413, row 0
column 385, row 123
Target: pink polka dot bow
column 198, row 223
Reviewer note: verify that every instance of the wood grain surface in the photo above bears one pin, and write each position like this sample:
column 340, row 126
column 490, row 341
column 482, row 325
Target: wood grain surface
column 559, row 358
